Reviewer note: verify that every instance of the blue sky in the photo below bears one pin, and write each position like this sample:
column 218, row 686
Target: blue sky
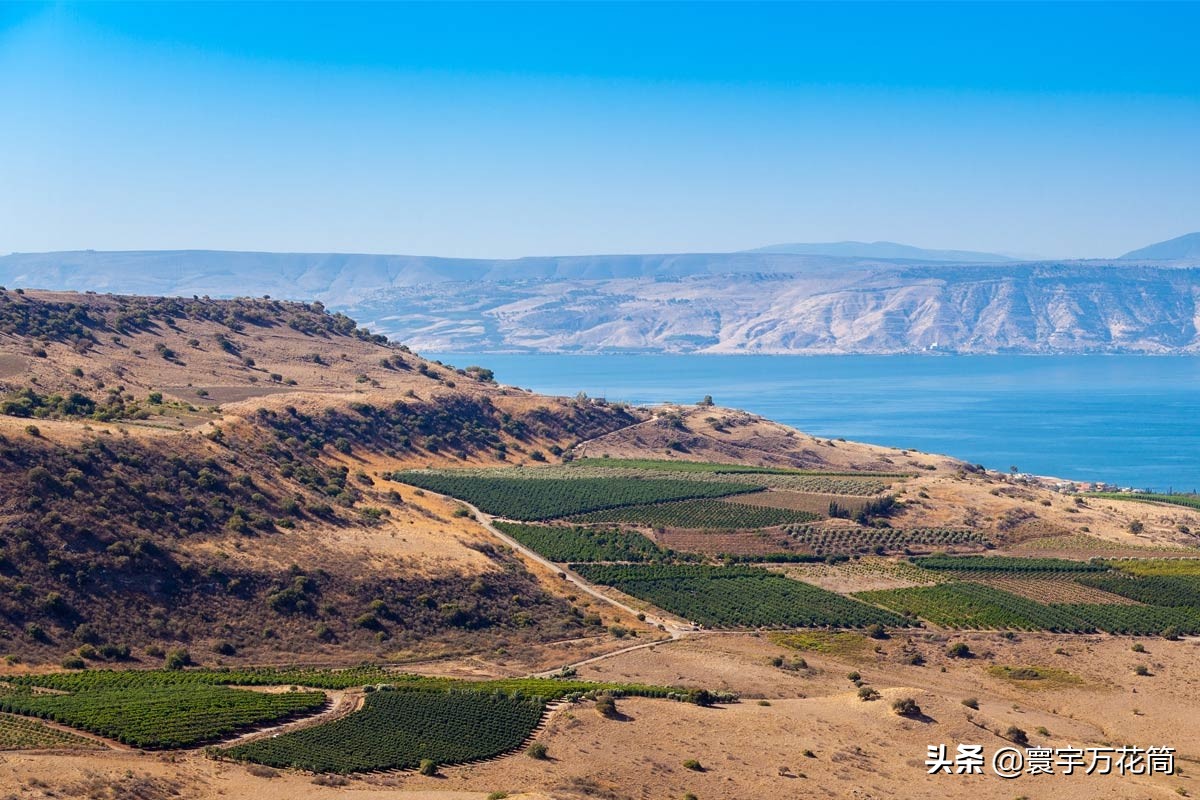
column 505, row 130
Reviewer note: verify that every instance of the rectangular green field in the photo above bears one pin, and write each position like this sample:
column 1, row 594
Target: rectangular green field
column 1006, row 564
column 976, row 607
column 562, row 543
column 732, row 597
column 532, row 499
column 710, row 466
column 701, row 514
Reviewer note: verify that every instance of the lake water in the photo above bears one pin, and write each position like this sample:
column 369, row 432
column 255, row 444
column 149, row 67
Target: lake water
column 1130, row 420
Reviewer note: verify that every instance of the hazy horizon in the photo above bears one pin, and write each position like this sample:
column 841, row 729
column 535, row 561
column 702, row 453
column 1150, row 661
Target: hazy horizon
column 502, row 131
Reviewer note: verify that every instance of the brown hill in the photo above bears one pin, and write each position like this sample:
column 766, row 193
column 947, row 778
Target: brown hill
column 198, row 474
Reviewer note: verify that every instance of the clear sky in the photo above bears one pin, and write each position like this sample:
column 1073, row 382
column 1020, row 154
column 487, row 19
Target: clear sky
column 505, row 130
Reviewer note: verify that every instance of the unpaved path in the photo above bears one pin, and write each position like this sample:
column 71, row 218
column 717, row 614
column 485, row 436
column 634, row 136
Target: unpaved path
column 341, row 704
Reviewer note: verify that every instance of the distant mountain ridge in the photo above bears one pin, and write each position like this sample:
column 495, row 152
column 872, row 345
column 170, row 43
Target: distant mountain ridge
column 1181, row 248
column 888, row 250
column 747, row 302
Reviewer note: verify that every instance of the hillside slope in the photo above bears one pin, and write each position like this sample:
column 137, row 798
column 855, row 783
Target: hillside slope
column 1181, row 248
column 205, row 468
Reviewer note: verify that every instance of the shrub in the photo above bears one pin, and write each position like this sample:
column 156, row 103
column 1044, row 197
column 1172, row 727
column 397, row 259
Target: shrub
column 33, row 430
column 177, row 658
column 906, row 707
column 1016, row 735
column 1141, row 669
column 73, row 662
column 959, row 650
column 971, row 702
column 606, row 706
column 538, row 751
column 877, row 631
column 693, row 765
column 866, row 694
column 428, row 767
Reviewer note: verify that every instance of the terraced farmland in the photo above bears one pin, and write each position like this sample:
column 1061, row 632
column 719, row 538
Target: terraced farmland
column 730, row 597
column 532, row 499
column 716, row 514
column 399, row 729
column 828, row 540
column 562, row 543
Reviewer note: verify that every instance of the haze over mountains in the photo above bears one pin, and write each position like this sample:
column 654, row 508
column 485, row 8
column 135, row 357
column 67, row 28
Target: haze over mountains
column 888, row 250
column 844, row 297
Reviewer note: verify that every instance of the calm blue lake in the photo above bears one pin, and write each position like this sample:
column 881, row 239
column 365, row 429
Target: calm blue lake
column 1131, row 420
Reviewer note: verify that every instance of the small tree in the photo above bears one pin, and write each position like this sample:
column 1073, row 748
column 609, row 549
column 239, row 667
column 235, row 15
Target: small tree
column 959, row 650
column 177, row 659
column 906, row 707
column 1016, row 735
column 606, row 706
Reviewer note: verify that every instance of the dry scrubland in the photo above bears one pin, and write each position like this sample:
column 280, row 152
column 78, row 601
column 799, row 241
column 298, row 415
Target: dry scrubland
column 217, row 482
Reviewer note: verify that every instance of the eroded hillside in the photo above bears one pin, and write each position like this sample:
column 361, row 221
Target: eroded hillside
column 209, row 469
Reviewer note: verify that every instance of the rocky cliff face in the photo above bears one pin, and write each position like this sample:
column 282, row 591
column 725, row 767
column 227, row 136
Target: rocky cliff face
column 1026, row 308
column 719, row 303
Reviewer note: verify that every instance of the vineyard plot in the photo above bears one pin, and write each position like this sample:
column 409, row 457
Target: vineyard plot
column 727, row 597
column 1136, row 620
column 822, row 540
column 1157, row 566
column 19, row 733
column 723, row 469
column 561, row 543
column 151, row 716
column 974, row 606
column 1051, row 589
column 717, row 514
column 144, row 680
column 1006, row 564
column 1154, row 590
column 398, row 729
column 1185, row 500
column 533, row 499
